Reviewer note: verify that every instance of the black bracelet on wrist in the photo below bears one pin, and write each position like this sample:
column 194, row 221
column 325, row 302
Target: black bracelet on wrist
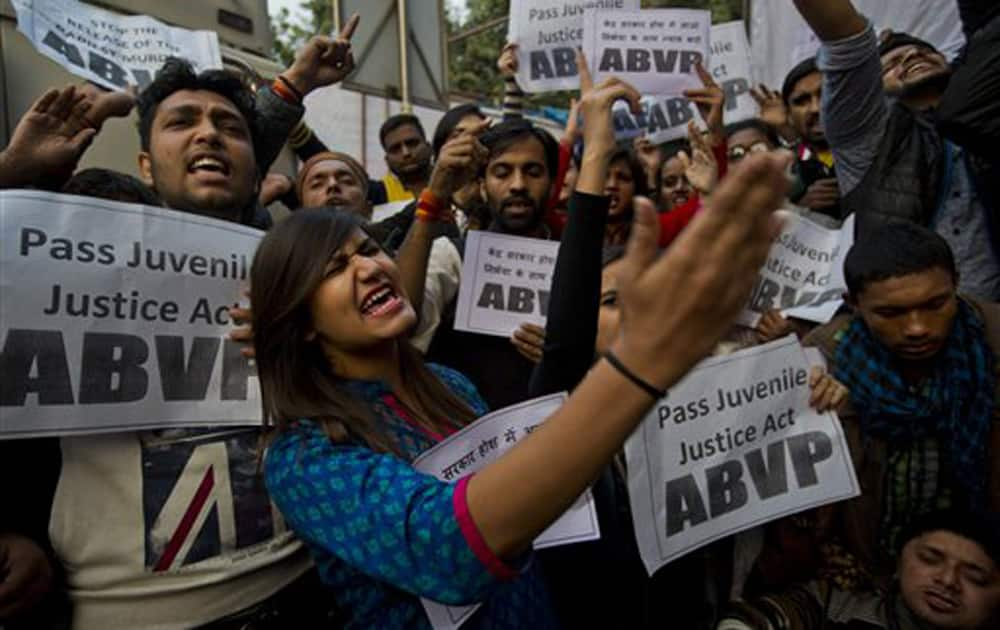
column 656, row 393
column 288, row 84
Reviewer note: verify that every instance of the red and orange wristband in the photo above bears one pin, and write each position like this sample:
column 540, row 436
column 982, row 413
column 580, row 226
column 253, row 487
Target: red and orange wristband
column 431, row 209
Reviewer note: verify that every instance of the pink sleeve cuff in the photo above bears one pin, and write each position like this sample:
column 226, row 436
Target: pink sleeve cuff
column 474, row 539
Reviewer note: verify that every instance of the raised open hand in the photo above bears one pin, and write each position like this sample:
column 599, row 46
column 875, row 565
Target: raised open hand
column 676, row 307
column 700, row 168
column 773, row 110
column 48, row 141
column 99, row 104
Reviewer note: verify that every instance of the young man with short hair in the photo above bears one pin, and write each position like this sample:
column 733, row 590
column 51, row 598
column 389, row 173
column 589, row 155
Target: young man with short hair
column 408, row 156
column 518, row 177
column 879, row 102
column 518, row 164
column 330, row 178
column 816, row 184
column 173, row 528
column 920, row 363
column 947, row 578
column 515, row 162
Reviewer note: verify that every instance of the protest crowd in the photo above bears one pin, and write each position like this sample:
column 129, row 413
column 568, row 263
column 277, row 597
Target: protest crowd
column 655, row 283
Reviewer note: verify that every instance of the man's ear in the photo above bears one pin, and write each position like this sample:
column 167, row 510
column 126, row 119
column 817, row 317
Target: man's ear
column 146, row 169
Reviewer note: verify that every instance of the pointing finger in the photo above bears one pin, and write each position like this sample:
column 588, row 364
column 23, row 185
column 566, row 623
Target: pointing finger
column 347, row 32
column 586, row 80
column 479, row 128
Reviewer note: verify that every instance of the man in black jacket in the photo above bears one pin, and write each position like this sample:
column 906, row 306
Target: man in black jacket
column 879, row 99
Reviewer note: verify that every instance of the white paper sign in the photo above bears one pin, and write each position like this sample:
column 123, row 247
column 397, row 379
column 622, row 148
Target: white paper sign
column 114, row 317
column 110, row 49
column 482, row 443
column 548, row 32
column 804, row 273
column 629, row 125
column 505, row 282
column 734, row 445
column 730, row 67
column 383, row 211
column 654, row 50
column 665, row 118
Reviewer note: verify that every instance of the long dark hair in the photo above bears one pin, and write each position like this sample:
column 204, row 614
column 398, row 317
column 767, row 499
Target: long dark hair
column 297, row 381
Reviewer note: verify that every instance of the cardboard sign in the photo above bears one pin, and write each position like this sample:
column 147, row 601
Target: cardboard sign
column 547, row 33
column 804, row 273
column 112, row 50
column 482, row 443
column 505, row 282
column 734, row 445
column 655, row 50
column 115, row 317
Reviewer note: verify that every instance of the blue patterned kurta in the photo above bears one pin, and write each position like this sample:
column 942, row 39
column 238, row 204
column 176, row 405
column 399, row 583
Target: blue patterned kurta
column 383, row 534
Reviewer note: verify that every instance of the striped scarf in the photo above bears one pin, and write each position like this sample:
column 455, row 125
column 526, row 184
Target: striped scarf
column 954, row 407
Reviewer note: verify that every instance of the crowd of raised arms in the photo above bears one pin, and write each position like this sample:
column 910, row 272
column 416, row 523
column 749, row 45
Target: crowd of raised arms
column 351, row 325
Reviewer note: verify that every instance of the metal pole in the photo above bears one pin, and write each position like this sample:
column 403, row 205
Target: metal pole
column 335, row 7
column 472, row 32
column 364, row 129
column 404, row 68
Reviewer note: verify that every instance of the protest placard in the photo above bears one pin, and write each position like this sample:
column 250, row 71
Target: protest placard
column 734, row 445
column 804, row 273
column 110, row 49
column 730, row 67
column 547, row 33
column 505, row 282
column 629, row 125
column 664, row 117
column 655, row 50
column 483, row 442
column 115, row 317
